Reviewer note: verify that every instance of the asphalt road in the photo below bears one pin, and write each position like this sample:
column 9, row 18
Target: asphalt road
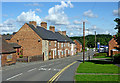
column 43, row 71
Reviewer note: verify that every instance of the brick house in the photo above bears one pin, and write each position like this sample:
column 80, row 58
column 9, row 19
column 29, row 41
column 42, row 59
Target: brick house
column 16, row 47
column 78, row 45
column 62, row 45
column 7, row 53
column 112, row 47
column 38, row 41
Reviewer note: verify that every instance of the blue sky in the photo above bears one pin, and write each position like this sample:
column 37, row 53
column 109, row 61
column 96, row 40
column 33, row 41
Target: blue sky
column 67, row 16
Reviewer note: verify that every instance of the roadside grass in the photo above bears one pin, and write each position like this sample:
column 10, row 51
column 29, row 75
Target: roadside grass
column 102, row 57
column 97, row 66
column 100, row 78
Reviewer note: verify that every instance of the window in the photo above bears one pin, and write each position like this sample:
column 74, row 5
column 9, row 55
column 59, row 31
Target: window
column 45, row 43
column 9, row 57
column 68, row 52
column 38, row 40
column 55, row 43
column 58, row 52
column 49, row 43
column 68, row 44
column 55, row 52
column 58, row 45
column 62, row 52
column 62, row 45
column 49, row 53
column 17, row 40
column 45, row 53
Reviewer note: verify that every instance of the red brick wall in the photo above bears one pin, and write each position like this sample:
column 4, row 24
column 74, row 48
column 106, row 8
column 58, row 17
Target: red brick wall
column 4, row 59
column 51, row 46
column 78, row 46
column 112, row 44
column 28, row 39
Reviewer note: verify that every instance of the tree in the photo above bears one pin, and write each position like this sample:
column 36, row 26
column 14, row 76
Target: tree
column 117, row 20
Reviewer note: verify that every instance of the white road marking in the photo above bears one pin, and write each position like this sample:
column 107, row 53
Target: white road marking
column 15, row 76
column 31, row 70
column 49, row 69
column 43, row 66
column 42, row 69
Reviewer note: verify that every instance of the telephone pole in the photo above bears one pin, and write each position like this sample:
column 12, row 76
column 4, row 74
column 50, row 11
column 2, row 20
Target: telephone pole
column 95, row 42
column 83, row 42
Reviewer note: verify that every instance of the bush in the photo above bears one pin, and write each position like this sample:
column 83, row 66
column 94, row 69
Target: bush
column 21, row 56
column 101, row 54
column 116, row 58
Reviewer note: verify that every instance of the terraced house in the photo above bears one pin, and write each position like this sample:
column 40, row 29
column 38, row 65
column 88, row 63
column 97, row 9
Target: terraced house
column 37, row 41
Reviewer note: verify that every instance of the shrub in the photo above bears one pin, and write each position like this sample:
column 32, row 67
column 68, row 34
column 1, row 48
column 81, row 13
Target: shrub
column 116, row 58
column 101, row 54
column 21, row 56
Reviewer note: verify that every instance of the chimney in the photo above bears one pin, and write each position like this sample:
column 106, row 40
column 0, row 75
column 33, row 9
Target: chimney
column 60, row 32
column 44, row 24
column 64, row 33
column 52, row 28
column 33, row 23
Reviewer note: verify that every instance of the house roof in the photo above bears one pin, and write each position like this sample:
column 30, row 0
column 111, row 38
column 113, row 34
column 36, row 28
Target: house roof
column 43, row 33
column 79, row 42
column 60, row 37
column 15, row 45
column 68, row 39
column 49, row 35
column 7, row 37
column 5, row 47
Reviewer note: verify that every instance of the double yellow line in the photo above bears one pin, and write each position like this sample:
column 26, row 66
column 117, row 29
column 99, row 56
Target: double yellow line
column 57, row 74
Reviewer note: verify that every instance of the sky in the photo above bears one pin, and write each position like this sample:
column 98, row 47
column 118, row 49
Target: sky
column 65, row 16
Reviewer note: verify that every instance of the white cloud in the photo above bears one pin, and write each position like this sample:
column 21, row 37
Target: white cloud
column 77, row 22
column 33, row 4
column 115, row 12
column 73, row 26
column 90, row 14
column 8, row 26
column 56, row 14
column 71, row 34
column 38, row 10
column 28, row 16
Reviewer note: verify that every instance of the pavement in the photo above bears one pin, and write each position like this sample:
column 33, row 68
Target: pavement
column 62, row 69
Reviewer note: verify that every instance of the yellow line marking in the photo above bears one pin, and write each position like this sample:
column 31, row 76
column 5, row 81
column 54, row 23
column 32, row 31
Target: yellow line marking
column 57, row 74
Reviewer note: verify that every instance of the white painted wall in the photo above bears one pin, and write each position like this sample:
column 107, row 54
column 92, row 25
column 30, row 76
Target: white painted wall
column 45, row 49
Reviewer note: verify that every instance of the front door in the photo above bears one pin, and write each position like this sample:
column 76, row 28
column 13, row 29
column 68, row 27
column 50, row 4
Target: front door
column 53, row 54
column 66, row 52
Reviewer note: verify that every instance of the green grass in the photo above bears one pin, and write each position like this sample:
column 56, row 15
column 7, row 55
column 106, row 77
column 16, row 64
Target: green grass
column 96, row 78
column 102, row 57
column 101, row 54
column 97, row 67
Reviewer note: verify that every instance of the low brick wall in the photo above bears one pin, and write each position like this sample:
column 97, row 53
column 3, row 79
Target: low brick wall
column 30, row 58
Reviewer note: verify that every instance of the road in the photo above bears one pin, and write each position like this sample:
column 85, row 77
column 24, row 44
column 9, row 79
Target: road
column 53, row 70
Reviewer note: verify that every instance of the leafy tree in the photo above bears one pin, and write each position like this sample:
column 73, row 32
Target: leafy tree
column 90, row 39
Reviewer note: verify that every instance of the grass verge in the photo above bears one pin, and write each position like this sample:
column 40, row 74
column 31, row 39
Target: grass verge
column 102, row 57
column 79, row 78
column 97, row 67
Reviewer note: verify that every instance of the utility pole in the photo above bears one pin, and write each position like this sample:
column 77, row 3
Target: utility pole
column 83, row 42
column 95, row 42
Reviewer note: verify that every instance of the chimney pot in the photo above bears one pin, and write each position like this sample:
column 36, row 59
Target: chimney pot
column 44, row 24
column 33, row 23
column 52, row 28
column 64, row 33
column 60, row 32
